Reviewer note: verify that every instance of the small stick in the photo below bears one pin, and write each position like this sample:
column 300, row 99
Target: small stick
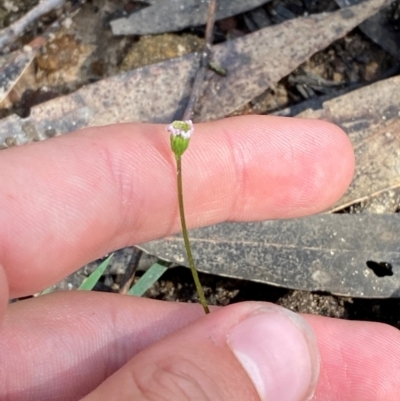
column 12, row 32
column 205, row 58
column 130, row 272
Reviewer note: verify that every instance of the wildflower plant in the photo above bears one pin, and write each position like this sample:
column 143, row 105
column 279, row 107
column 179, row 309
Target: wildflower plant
column 180, row 133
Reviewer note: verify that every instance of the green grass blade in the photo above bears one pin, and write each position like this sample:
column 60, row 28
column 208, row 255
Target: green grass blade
column 148, row 279
column 46, row 291
column 92, row 280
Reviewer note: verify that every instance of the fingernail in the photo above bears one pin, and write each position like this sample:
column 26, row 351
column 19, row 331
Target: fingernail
column 278, row 350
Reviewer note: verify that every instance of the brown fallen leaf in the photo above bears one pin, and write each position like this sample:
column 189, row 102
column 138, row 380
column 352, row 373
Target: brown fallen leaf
column 158, row 93
column 380, row 28
column 258, row 60
column 171, row 16
column 12, row 32
column 353, row 255
column 12, row 68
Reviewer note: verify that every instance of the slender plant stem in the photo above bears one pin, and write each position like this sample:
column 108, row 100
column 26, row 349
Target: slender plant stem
column 195, row 275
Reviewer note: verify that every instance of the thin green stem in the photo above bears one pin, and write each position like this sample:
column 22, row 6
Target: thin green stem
column 195, row 275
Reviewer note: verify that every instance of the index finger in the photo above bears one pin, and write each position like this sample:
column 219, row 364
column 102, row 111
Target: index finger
column 67, row 201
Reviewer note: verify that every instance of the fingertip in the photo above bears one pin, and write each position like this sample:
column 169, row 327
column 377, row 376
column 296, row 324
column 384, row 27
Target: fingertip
column 329, row 163
column 288, row 167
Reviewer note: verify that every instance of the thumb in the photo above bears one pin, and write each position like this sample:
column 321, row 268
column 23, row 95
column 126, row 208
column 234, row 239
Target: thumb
column 235, row 353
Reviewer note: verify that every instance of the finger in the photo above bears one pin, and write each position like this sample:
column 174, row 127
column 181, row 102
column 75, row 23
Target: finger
column 3, row 293
column 70, row 200
column 79, row 339
column 247, row 351
column 63, row 345
column 360, row 360
column 76, row 352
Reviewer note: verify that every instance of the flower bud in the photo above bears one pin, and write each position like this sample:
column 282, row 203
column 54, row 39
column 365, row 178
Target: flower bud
column 180, row 136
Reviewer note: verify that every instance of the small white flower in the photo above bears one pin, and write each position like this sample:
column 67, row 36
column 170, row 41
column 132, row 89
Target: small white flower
column 183, row 129
column 180, row 136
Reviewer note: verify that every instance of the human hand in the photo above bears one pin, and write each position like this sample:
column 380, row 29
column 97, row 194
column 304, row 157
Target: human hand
column 70, row 200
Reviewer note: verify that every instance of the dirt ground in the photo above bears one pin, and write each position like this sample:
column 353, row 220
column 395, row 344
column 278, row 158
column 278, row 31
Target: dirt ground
column 177, row 285
column 77, row 55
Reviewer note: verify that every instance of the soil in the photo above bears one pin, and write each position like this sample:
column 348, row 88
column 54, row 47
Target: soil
column 84, row 51
column 177, row 285
column 11, row 10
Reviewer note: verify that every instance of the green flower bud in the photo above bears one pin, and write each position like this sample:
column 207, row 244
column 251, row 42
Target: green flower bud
column 180, row 136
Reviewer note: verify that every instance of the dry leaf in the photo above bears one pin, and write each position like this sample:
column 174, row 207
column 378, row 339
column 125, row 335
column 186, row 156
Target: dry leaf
column 175, row 15
column 12, row 68
column 379, row 28
column 258, row 60
column 349, row 255
column 158, row 93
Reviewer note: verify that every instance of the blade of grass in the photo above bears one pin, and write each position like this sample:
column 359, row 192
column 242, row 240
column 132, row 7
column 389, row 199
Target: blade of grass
column 148, row 279
column 46, row 291
column 94, row 277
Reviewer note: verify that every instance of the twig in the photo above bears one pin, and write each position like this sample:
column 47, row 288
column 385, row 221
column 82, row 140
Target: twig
column 130, row 272
column 205, row 58
column 12, row 32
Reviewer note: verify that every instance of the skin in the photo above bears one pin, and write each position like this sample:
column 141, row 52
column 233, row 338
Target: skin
column 70, row 200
